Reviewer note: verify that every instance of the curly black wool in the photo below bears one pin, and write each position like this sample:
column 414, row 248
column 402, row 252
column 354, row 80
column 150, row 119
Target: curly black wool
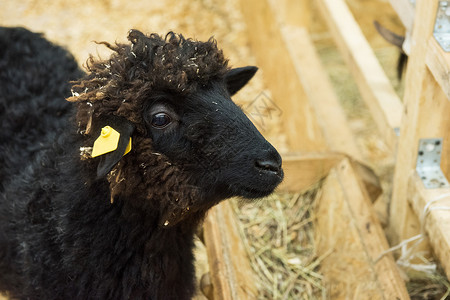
column 118, row 226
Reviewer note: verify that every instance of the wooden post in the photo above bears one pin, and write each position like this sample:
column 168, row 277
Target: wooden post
column 438, row 62
column 421, row 110
column 437, row 223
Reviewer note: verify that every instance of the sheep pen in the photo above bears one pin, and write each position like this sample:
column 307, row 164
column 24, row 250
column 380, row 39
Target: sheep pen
column 77, row 26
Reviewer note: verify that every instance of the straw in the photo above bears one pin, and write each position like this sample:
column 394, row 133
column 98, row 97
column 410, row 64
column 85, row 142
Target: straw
column 278, row 236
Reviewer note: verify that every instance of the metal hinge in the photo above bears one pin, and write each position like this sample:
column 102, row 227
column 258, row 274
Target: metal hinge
column 429, row 164
column 441, row 30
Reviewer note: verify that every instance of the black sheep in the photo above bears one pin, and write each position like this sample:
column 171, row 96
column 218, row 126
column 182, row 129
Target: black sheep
column 119, row 225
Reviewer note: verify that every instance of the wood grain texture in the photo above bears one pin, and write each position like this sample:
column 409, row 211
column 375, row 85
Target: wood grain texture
column 350, row 236
column 303, row 170
column 438, row 62
column 437, row 223
column 422, row 114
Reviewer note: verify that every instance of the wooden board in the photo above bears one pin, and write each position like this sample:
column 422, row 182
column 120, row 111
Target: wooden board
column 320, row 93
column 437, row 223
column 375, row 87
column 423, row 110
column 351, row 238
column 231, row 273
column 295, row 12
column 438, row 62
column 302, row 170
column 300, row 125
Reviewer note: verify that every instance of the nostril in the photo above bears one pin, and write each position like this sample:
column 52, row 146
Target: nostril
column 268, row 165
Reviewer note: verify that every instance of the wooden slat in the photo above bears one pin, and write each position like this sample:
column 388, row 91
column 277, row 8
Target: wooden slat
column 314, row 79
column 301, row 171
column 306, row 169
column 230, row 270
column 438, row 61
column 422, row 114
column 405, row 11
column 375, row 88
column 349, row 234
column 300, row 125
column 437, row 223
column 320, row 93
column 294, row 12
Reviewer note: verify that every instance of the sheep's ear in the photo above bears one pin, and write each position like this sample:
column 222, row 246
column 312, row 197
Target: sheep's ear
column 110, row 159
column 236, row 78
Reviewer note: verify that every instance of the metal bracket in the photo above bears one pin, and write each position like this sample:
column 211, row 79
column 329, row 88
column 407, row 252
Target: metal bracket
column 428, row 164
column 442, row 25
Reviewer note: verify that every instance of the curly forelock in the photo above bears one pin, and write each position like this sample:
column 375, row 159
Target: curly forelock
column 148, row 64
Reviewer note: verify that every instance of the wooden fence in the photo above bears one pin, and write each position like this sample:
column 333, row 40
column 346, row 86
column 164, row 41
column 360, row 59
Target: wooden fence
column 323, row 144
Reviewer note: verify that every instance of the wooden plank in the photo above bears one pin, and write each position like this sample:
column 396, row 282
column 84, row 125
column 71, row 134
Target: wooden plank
column 438, row 61
column 420, row 115
column 300, row 125
column 437, row 223
column 301, row 171
column 348, row 230
column 433, row 120
column 294, row 12
column 318, row 88
column 306, row 169
column 405, row 11
column 230, row 270
column 375, row 88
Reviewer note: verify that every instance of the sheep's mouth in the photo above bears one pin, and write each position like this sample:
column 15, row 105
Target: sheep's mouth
column 252, row 192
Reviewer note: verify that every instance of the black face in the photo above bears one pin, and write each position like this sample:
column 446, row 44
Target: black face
column 212, row 139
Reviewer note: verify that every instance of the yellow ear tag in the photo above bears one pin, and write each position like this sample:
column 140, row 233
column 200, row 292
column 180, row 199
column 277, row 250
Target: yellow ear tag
column 108, row 142
column 128, row 149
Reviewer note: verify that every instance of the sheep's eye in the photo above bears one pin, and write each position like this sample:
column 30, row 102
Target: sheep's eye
column 161, row 120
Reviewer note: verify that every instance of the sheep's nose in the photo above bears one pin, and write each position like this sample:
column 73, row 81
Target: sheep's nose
column 269, row 165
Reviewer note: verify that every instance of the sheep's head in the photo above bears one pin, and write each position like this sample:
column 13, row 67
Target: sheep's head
column 191, row 145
